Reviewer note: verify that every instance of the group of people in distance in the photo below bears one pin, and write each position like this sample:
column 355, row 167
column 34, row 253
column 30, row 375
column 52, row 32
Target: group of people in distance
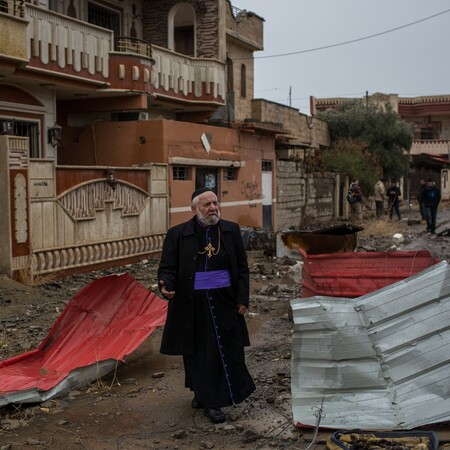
column 428, row 197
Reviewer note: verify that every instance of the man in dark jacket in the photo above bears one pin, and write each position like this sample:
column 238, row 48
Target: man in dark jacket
column 423, row 213
column 393, row 194
column 204, row 274
column 431, row 196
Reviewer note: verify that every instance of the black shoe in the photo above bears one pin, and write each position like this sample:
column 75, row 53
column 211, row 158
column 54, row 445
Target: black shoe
column 216, row 415
column 195, row 404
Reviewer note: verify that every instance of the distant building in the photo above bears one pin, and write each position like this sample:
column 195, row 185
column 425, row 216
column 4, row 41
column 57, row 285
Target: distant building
column 430, row 117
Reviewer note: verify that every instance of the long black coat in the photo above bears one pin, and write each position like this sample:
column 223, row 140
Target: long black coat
column 177, row 268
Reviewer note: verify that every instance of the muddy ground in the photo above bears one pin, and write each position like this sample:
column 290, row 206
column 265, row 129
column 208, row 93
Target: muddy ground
column 143, row 404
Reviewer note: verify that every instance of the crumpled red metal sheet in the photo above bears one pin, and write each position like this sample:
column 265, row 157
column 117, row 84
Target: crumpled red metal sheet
column 354, row 274
column 107, row 319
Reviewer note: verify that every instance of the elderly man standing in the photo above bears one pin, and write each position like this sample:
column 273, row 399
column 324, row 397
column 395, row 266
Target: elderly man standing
column 204, row 274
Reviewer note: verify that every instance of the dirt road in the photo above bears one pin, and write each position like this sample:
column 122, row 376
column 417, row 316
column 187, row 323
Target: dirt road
column 143, row 405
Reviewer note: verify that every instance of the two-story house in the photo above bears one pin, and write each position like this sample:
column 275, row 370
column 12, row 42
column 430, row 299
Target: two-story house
column 111, row 113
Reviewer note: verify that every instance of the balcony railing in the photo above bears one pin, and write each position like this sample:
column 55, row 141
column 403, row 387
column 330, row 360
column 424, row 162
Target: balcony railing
column 13, row 7
column 431, row 146
column 187, row 75
column 54, row 37
column 132, row 45
column 81, row 49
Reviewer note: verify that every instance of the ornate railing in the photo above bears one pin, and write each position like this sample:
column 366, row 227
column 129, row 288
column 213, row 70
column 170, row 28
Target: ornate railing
column 13, row 7
column 53, row 37
column 132, row 45
column 188, row 75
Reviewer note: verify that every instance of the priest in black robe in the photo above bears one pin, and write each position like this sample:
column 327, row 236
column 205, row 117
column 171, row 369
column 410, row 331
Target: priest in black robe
column 204, row 274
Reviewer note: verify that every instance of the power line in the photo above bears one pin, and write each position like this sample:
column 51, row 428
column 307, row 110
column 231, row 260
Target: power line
column 370, row 36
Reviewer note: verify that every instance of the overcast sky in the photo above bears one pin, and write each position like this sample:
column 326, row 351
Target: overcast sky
column 411, row 61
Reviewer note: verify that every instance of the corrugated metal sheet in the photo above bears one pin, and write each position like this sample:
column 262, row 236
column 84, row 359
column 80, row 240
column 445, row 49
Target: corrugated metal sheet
column 380, row 361
column 102, row 324
column 357, row 273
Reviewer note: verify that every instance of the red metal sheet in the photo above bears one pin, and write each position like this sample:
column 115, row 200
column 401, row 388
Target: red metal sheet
column 357, row 273
column 107, row 319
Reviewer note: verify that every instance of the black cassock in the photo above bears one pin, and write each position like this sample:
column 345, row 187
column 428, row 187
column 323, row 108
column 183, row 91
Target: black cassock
column 216, row 372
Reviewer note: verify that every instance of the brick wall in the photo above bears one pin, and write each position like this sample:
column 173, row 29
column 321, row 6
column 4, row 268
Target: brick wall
column 155, row 25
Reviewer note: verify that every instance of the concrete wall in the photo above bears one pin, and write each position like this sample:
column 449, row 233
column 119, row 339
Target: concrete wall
column 246, row 27
column 303, row 129
column 5, row 228
column 138, row 143
column 241, row 56
column 303, row 199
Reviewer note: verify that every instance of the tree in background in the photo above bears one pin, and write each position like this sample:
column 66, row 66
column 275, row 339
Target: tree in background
column 353, row 158
column 379, row 132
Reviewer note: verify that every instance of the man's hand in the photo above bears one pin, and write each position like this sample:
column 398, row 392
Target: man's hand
column 164, row 290
column 241, row 309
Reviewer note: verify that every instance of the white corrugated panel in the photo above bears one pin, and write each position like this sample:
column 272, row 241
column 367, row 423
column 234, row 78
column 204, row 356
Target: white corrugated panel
column 380, row 361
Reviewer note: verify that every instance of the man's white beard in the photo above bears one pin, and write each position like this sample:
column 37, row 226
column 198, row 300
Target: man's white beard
column 208, row 220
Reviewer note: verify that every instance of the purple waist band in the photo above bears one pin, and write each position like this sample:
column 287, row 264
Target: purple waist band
column 212, row 280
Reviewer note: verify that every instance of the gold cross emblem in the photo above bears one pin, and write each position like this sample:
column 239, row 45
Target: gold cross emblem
column 209, row 249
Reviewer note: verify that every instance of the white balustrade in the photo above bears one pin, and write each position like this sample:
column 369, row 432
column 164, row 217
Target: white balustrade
column 186, row 75
column 54, row 37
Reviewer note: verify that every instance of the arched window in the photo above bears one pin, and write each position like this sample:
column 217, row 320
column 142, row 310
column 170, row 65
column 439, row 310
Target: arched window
column 243, row 81
column 181, row 21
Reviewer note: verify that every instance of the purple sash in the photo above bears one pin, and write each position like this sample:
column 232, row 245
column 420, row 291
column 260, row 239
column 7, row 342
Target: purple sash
column 212, row 280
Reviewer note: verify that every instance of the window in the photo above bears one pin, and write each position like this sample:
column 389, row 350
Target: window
column 267, row 166
column 180, row 172
column 24, row 129
column 230, row 174
column 427, row 133
column 243, row 81
column 104, row 17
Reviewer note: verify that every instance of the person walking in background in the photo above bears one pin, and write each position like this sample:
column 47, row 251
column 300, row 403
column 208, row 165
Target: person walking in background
column 380, row 194
column 204, row 274
column 393, row 194
column 355, row 198
column 423, row 213
column 431, row 196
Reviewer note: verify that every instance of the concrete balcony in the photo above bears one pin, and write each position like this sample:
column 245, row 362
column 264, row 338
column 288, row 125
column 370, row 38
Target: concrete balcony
column 60, row 43
column 51, row 44
column 186, row 78
column 431, row 147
